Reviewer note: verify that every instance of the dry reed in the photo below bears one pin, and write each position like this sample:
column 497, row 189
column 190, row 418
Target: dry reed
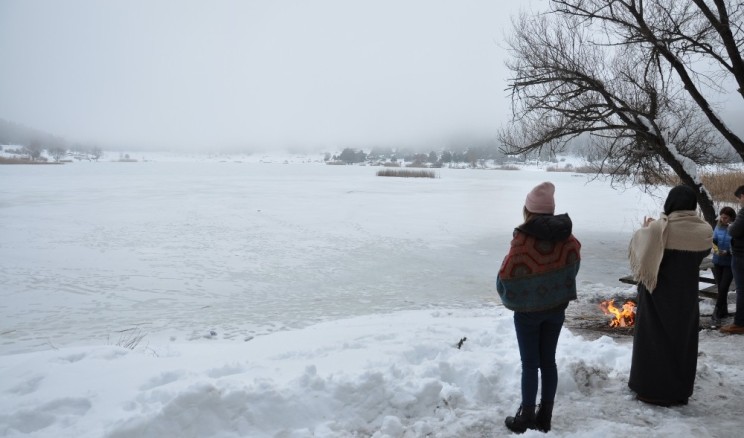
column 406, row 173
column 720, row 184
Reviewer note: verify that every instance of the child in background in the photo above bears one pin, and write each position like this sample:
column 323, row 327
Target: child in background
column 722, row 272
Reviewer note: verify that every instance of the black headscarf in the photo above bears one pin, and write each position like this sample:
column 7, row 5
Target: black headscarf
column 680, row 198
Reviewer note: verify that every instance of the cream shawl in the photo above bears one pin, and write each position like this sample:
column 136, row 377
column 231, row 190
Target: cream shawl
column 681, row 230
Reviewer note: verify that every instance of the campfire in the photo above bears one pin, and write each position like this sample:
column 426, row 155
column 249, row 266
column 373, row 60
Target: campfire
column 623, row 317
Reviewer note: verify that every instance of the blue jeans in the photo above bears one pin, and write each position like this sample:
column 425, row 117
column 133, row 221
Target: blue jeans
column 737, row 266
column 537, row 336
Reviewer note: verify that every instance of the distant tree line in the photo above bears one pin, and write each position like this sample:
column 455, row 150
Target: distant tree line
column 14, row 133
column 34, row 142
column 473, row 155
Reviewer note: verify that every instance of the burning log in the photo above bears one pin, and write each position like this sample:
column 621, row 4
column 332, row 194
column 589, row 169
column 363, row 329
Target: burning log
column 624, row 317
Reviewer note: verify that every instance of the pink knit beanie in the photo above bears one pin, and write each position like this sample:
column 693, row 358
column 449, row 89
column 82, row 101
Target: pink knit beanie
column 540, row 199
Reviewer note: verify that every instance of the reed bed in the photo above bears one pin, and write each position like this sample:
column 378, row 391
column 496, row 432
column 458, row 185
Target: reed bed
column 407, row 173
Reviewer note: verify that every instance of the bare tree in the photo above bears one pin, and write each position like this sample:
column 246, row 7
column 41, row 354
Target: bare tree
column 577, row 75
column 34, row 150
column 57, row 152
column 699, row 41
column 95, row 153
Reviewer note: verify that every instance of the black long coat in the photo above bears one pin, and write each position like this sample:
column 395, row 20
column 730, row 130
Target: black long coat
column 665, row 341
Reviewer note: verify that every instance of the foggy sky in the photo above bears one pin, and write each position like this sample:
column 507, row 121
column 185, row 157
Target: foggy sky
column 318, row 74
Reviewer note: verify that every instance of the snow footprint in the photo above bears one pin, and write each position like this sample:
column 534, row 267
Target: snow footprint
column 71, row 358
column 227, row 370
column 162, row 379
column 32, row 420
column 27, row 386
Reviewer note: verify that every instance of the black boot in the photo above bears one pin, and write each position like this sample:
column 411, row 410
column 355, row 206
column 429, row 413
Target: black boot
column 523, row 420
column 543, row 417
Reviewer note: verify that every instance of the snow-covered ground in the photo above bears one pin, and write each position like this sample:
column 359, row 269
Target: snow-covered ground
column 238, row 297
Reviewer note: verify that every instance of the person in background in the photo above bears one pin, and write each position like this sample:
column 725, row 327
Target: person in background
column 722, row 263
column 736, row 231
column 665, row 256
column 537, row 279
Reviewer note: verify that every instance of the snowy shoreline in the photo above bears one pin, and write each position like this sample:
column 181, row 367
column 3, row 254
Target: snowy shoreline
column 385, row 375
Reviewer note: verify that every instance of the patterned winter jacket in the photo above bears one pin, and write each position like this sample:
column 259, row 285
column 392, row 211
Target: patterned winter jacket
column 539, row 273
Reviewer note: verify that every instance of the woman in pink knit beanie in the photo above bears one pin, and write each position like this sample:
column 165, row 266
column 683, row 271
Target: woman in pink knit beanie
column 536, row 280
column 540, row 200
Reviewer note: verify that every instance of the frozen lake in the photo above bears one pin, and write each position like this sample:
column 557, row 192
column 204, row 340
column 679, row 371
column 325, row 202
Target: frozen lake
column 230, row 250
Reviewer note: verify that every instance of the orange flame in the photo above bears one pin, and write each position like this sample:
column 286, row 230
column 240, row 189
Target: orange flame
column 624, row 317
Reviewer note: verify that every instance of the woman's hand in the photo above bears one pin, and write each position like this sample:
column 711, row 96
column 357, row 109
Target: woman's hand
column 647, row 221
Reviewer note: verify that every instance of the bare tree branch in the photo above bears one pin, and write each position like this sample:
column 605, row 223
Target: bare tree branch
column 682, row 32
column 638, row 121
